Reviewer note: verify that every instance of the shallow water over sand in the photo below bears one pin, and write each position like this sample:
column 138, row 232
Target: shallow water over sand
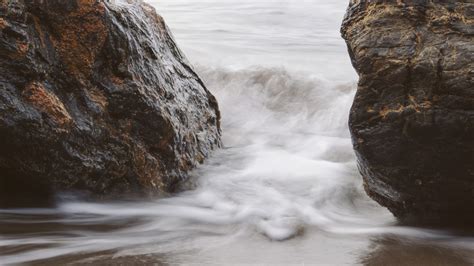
column 284, row 189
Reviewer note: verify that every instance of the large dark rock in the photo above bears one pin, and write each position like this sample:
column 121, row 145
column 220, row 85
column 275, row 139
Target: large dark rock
column 412, row 121
column 96, row 97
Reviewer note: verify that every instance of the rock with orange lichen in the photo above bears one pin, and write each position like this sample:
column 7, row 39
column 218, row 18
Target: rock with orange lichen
column 43, row 100
column 412, row 120
column 96, row 97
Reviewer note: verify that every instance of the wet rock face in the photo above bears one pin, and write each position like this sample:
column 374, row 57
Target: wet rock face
column 412, row 121
column 95, row 96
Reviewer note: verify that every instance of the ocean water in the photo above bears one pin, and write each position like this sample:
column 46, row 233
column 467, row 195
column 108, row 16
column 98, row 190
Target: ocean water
column 284, row 189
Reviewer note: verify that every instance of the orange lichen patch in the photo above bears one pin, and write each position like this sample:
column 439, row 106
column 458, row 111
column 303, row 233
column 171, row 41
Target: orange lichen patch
column 419, row 106
column 99, row 98
column 386, row 111
column 3, row 23
column 377, row 10
column 440, row 14
column 426, row 105
column 48, row 103
column 22, row 48
column 414, row 105
column 370, row 109
column 39, row 29
column 116, row 80
column 82, row 34
column 461, row 10
column 412, row 99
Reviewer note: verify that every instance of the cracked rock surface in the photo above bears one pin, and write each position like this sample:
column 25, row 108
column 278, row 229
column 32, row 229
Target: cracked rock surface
column 412, row 121
column 96, row 97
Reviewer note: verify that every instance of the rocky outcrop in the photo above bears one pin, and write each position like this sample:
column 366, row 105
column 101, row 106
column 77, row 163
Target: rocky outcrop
column 412, row 121
column 95, row 96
